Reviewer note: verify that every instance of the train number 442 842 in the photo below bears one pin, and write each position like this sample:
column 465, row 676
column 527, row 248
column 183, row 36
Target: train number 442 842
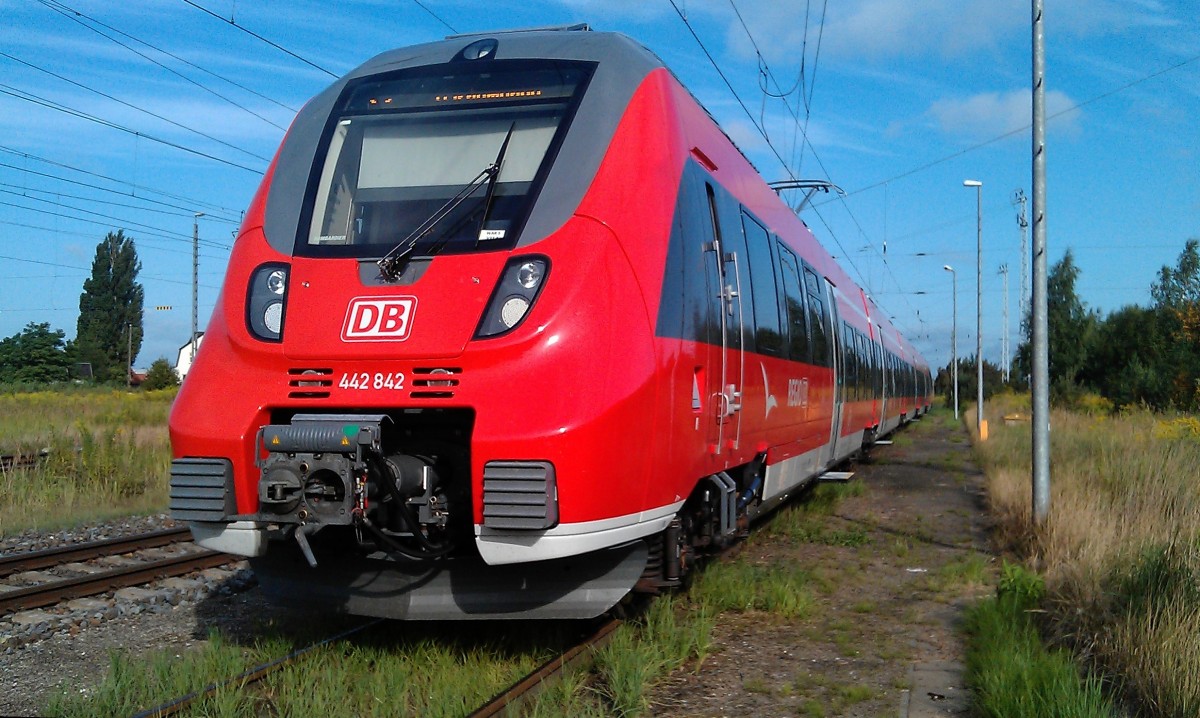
column 364, row 381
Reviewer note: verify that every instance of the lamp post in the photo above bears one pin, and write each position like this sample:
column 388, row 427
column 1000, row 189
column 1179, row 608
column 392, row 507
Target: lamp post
column 954, row 334
column 979, row 302
column 195, row 278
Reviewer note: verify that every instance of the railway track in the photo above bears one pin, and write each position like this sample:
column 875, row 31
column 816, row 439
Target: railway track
column 511, row 697
column 58, row 589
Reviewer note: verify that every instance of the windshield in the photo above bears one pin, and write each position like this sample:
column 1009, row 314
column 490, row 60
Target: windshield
column 400, row 148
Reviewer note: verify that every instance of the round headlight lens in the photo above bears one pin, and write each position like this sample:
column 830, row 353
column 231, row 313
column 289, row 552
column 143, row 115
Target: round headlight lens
column 273, row 317
column 514, row 308
column 277, row 281
column 529, row 275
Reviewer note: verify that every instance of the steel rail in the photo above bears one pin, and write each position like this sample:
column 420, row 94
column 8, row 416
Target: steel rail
column 528, row 686
column 34, row 560
column 256, row 673
column 48, row 594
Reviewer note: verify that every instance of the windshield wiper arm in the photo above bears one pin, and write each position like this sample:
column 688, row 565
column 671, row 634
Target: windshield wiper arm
column 491, row 190
column 390, row 265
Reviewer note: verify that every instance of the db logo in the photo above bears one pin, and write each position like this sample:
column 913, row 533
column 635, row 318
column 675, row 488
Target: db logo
column 375, row 319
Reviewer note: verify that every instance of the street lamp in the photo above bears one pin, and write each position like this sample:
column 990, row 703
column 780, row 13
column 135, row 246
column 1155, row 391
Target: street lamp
column 979, row 303
column 954, row 334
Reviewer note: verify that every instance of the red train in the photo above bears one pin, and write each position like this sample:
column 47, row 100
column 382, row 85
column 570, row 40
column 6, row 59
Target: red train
column 511, row 327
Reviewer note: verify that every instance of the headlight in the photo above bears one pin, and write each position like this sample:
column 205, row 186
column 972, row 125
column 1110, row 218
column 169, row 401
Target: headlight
column 530, row 274
column 266, row 302
column 514, row 295
column 513, row 311
column 277, row 281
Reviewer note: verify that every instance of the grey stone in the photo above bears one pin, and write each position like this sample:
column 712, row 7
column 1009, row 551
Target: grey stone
column 32, row 618
column 134, row 593
column 87, row 604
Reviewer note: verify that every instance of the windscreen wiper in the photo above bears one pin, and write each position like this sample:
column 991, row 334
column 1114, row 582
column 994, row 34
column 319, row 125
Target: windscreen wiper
column 391, row 264
column 491, row 190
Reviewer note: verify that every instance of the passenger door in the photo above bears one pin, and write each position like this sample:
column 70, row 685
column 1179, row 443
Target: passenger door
column 725, row 265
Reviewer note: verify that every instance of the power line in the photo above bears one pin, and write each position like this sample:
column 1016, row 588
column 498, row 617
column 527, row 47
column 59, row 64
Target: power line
column 173, row 56
column 85, row 235
column 71, row 15
column 164, row 233
column 50, row 104
column 25, row 190
column 155, row 277
column 135, row 107
column 765, row 66
column 151, row 235
column 192, row 205
column 275, row 45
column 1019, row 130
column 435, row 15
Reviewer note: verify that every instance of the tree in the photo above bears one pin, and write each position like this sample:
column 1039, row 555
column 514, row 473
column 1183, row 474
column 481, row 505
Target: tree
column 1069, row 327
column 37, row 354
column 160, row 375
column 109, row 332
column 1126, row 361
column 968, row 377
column 1177, row 298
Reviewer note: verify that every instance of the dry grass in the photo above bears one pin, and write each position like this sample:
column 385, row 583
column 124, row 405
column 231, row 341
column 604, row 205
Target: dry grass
column 1120, row 553
column 108, row 454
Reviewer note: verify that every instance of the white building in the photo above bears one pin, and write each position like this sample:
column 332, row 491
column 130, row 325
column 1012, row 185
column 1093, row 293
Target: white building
column 184, row 362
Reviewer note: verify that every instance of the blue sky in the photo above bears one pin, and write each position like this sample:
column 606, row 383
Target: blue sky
column 905, row 99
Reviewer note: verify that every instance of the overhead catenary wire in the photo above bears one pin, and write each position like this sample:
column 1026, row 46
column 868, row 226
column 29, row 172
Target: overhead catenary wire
column 173, row 56
column 71, row 15
column 273, row 44
column 1024, row 128
column 50, row 104
column 121, row 221
column 435, row 16
column 192, row 203
column 796, row 119
column 25, row 191
column 132, row 106
column 155, row 277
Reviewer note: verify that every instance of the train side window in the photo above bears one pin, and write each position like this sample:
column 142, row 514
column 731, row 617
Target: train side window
column 818, row 316
column 849, row 365
column 712, row 211
column 768, row 336
column 793, row 298
column 864, row 361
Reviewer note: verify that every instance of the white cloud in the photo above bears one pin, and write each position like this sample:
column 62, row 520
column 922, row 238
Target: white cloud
column 989, row 114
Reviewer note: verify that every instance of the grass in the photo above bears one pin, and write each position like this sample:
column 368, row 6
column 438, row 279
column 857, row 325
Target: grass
column 395, row 670
column 1120, row 553
column 108, row 455
column 1012, row 672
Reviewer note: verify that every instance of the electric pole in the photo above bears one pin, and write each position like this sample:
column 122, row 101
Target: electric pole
column 1040, row 334
column 1006, row 357
column 1019, row 200
column 195, row 280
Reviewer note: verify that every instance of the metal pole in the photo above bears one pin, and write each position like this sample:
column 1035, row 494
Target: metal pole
column 1004, row 356
column 1041, row 354
column 195, row 281
column 129, row 356
column 978, row 302
column 954, row 333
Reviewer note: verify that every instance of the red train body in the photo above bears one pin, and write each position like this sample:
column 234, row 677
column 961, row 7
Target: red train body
column 511, row 326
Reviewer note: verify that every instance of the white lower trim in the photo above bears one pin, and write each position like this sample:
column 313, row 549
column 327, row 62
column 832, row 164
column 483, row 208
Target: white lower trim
column 243, row 538
column 501, row 547
column 791, row 473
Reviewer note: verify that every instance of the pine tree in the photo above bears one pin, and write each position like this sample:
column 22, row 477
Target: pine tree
column 110, row 309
